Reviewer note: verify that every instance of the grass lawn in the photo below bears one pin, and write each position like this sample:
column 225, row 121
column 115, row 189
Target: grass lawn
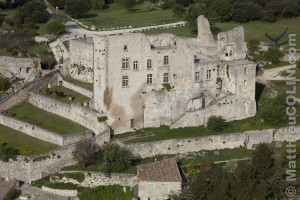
column 116, row 16
column 88, row 86
column 31, row 114
column 78, row 97
column 111, row 192
column 26, row 144
column 179, row 31
column 257, row 29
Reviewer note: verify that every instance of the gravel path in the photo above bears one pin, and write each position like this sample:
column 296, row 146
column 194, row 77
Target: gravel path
column 273, row 74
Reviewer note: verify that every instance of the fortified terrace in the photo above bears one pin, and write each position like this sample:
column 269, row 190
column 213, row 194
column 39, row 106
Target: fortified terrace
column 152, row 80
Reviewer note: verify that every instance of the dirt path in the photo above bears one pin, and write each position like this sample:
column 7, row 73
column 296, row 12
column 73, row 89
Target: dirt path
column 273, row 74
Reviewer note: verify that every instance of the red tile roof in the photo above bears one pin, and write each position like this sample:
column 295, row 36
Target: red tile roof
column 160, row 171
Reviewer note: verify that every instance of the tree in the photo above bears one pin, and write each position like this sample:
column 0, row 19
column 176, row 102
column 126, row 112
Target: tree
column 77, row 8
column 7, row 152
column 86, row 152
column 216, row 123
column 246, row 11
column 252, row 45
column 55, row 27
column 32, row 12
column 97, row 4
column 222, row 9
column 275, row 110
column 115, row 158
column 128, row 4
column 273, row 55
column 179, row 10
column 4, row 83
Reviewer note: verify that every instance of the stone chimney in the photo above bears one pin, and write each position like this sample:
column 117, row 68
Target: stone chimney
column 204, row 32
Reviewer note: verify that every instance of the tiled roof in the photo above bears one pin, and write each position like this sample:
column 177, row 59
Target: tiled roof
column 160, row 171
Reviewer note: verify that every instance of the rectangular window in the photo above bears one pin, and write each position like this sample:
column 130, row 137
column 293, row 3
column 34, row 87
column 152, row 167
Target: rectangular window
column 208, row 74
column 166, row 60
column 135, row 65
column 125, row 63
column 125, row 81
column 245, row 71
column 166, row 78
column 99, row 79
column 165, row 189
column 149, row 64
column 150, row 188
column 197, row 76
column 125, row 48
column 149, row 79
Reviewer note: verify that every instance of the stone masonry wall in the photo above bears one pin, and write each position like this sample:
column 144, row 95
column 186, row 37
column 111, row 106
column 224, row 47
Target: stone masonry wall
column 32, row 168
column 66, row 193
column 21, row 95
column 78, row 89
column 94, row 179
column 188, row 145
column 42, row 134
column 77, row 113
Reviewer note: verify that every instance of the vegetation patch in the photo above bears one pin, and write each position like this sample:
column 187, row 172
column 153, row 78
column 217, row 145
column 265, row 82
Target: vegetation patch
column 28, row 113
column 73, row 175
column 64, row 94
column 25, row 144
column 102, row 119
column 88, row 86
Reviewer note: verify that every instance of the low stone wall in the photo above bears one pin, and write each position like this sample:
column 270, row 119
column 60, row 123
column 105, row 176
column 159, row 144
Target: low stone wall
column 77, row 89
column 282, row 134
column 32, row 168
column 212, row 142
column 22, row 94
column 94, row 179
column 74, row 112
column 42, row 134
column 32, row 130
column 65, row 193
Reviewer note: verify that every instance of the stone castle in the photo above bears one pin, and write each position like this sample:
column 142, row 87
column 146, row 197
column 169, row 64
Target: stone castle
column 152, row 80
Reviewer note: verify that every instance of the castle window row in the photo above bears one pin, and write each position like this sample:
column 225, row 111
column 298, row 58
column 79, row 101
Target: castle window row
column 166, row 79
column 198, row 75
column 126, row 63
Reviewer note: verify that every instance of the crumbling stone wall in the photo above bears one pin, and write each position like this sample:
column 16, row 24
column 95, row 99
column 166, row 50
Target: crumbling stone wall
column 22, row 94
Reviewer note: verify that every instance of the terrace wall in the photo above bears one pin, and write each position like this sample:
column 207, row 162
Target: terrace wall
column 32, row 168
column 21, row 95
column 74, row 112
column 42, row 134
column 212, row 142
column 77, row 89
column 94, row 179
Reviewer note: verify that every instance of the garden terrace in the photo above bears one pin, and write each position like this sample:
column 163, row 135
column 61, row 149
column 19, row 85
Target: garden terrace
column 65, row 95
column 33, row 115
column 88, row 86
column 26, row 144
column 116, row 16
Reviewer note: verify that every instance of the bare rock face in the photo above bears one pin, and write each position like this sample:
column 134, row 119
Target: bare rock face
column 204, row 32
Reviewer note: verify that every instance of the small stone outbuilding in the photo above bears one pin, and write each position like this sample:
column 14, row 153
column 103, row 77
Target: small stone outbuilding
column 158, row 180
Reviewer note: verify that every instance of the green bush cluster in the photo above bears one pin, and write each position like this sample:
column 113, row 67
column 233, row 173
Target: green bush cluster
column 74, row 175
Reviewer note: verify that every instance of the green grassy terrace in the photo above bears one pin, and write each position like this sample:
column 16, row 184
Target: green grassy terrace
column 26, row 144
column 88, row 86
column 78, row 97
column 116, row 16
column 31, row 114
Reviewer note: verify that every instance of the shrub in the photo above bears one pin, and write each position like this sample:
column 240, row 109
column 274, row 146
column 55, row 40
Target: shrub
column 77, row 8
column 216, row 123
column 275, row 110
column 102, row 119
column 167, row 86
column 86, row 153
column 7, row 152
column 55, row 27
column 75, row 175
column 273, row 55
column 4, row 84
column 253, row 45
column 115, row 158
column 179, row 10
